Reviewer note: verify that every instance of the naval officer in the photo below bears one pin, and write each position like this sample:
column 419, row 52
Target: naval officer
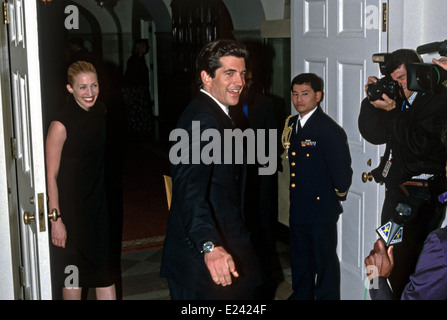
column 321, row 174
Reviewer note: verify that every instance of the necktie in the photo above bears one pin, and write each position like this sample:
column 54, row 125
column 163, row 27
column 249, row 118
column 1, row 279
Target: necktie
column 232, row 121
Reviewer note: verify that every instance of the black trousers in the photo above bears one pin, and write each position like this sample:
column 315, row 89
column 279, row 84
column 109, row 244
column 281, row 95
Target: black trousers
column 179, row 292
column 236, row 291
column 425, row 218
column 314, row 262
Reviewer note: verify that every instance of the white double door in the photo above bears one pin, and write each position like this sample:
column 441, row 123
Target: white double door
column 336, row 40
column 27, row 185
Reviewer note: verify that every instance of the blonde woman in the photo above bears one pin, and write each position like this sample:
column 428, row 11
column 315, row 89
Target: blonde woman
column 75, row 176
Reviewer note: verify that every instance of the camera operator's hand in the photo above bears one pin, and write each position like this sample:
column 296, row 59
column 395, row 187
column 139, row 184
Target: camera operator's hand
column 370, row 80
column 441, row 62
column 386, row 104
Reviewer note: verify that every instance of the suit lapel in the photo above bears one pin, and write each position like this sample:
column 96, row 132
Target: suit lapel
column 217, row 110
column 227, row 123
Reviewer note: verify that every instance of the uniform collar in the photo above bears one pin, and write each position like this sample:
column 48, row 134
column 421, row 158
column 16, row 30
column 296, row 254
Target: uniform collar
column 304, row 119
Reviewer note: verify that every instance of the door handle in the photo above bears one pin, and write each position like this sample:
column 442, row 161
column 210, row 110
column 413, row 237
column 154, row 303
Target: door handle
column 53, row 215
column 366, row 177
column 28, row 217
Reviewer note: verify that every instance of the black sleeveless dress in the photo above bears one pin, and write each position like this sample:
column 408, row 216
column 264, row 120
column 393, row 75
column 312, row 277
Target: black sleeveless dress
column 82, row 199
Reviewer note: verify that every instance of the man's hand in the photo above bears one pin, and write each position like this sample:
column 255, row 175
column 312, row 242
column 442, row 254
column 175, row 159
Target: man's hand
column 221, row 266
column 386, row 104
column 382, row 259
column 441, row 62
column 370, row 80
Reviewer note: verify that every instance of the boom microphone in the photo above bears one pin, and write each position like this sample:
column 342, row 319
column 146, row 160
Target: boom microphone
column 440, row 47
column 391, row 232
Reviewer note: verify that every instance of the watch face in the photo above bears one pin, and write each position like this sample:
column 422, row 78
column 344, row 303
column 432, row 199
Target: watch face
column 208, row 247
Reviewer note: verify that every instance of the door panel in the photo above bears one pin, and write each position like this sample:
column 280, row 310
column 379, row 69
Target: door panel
column 30, row 159
column 331, row 38
column 9, row 229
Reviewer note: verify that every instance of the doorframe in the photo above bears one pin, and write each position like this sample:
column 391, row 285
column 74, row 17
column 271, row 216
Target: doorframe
column 148, row 31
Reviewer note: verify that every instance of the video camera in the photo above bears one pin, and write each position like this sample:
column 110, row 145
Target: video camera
column 386, row 85
column 426, row 77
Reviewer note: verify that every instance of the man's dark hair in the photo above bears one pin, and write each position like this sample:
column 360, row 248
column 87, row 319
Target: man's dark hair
column 311, row 79
column 209, row 57
column 403, row 56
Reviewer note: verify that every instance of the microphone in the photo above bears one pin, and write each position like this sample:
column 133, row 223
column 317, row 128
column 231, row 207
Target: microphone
column 391, row 232
column 440, row 47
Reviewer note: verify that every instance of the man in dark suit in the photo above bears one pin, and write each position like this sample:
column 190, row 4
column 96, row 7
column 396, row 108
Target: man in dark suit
column 208, row 252
column 321, row 174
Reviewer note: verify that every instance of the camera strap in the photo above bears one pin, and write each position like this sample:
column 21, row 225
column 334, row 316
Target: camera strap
column 388, row 165
column 408, row 102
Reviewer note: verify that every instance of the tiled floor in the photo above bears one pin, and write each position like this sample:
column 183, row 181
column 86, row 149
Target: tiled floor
column 141, row 280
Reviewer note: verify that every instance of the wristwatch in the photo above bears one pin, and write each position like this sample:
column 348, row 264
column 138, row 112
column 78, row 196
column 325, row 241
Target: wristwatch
column 208, row 247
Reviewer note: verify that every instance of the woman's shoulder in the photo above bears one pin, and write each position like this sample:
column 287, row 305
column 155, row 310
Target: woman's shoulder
column 62, row 114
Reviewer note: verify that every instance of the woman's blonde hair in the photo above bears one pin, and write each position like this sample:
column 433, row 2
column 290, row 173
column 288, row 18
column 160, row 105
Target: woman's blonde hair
column 78, row 68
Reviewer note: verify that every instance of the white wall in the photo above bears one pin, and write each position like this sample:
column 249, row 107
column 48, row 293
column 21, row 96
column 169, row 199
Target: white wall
column 415, row 22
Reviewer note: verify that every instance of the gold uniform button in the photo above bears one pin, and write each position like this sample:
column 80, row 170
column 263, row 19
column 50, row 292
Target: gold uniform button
column 293, row 164
column 293, row 185
column 308, row 155
column 293, row 153
column 293, row 175
column 318, row 198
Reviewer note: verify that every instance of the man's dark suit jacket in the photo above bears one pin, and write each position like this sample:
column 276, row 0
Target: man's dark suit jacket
column 320, row 168
column 207, row 206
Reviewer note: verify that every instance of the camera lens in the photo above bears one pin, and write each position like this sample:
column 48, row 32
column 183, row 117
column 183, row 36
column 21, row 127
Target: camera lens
column 383, row 86
column 374, row 91
column 423, row 77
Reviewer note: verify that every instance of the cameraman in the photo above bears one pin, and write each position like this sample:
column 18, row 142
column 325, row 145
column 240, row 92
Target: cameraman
column 410, row 126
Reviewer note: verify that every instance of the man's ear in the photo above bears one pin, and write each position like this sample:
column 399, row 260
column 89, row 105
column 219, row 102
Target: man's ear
column 69, row 88
column 206, row 78
column 319, row 96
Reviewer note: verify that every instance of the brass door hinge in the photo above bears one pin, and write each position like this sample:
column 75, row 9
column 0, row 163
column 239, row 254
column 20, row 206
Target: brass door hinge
column 384, row 17
column 14, row 148
column 5, row 13
column 22, row 276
